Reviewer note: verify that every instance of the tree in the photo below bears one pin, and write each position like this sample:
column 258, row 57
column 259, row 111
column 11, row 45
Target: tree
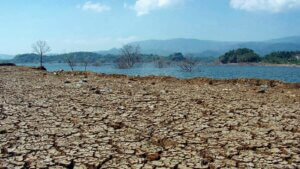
column 85, row 62
column 130, row 55
column 240, row 56
column 187, row 65
column 177, row 57
column 41, row 48
column 282, row 57
column 71, row 62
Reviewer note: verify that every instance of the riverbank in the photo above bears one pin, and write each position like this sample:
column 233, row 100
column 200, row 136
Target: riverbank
column 89, row 120
column 286, row 74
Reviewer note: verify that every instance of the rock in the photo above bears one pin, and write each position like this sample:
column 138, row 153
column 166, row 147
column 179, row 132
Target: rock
column 153, row 157
column 83, row 81
column 3, row 131
column 263, row 88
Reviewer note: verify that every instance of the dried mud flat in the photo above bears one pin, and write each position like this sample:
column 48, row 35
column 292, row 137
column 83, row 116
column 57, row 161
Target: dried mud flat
column 77, row 120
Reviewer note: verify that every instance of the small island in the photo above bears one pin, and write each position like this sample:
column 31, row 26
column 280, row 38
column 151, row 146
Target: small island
column 245, row 55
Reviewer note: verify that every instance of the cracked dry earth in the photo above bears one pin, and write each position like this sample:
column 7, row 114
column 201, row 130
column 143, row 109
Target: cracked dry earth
column 78, row 120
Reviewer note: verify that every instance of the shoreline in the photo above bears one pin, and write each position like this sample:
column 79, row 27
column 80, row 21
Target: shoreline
column 188, row 79
column 216, row 64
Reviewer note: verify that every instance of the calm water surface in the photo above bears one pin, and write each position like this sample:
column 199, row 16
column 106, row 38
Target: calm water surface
column 287, row 74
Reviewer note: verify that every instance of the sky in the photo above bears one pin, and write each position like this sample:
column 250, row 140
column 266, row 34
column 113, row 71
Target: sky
column 93, row 25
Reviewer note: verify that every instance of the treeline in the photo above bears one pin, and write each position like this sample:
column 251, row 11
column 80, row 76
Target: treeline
column 244, row 55
column 95, row 58
column 78, row 57
column 283, row 58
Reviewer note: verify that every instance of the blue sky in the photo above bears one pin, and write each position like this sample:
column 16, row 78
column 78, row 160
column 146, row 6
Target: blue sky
column 91, row 25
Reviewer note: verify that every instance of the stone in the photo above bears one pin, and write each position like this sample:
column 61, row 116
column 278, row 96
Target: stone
column 153, row 157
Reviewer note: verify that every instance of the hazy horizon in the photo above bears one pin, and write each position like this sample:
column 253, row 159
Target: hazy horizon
column 93, row 25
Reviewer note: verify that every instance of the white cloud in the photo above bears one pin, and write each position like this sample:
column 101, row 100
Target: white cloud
column 94, row 6
column 143, row 7
column 265, row 5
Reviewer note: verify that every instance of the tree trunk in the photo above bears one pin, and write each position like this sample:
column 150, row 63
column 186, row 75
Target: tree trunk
column 41, row 60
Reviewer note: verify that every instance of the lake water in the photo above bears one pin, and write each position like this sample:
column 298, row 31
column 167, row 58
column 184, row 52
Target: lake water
column 286, row 74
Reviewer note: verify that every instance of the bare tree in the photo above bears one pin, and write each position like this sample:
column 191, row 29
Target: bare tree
column 85, row 62
column 41, row 48
column 71, row 62
column 187, row 65
column 130, row 55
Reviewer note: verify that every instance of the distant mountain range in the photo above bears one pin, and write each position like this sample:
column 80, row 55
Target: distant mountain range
column 113, row 51
column 216, row 48
column 204, row 48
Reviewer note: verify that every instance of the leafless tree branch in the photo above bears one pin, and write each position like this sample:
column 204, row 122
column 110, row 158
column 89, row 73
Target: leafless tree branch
column 41, row 48
column 85, row 62
column 130, row 55
column 70, row 61
column 187, row 65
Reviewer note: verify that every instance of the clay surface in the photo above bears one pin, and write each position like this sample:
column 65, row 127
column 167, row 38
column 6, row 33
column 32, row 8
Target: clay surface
column 88, row 120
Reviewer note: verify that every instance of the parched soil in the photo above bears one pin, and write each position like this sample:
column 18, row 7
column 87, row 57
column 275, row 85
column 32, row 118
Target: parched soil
column 88, row 120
